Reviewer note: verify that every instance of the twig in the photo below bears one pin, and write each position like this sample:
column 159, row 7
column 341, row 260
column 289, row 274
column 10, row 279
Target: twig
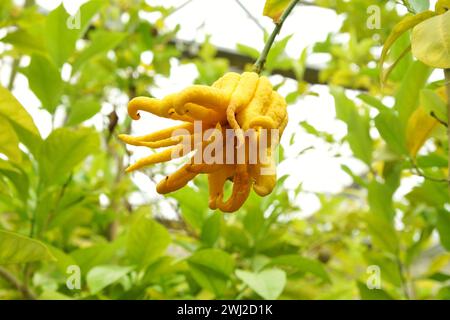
column 12, row 280
column 432, row 114
column 419, row 172
column 184, row 4
column 259, row 64
column 447, row 79
column 250, row 15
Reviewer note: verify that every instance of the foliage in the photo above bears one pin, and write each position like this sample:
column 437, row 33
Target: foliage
column 65, row 199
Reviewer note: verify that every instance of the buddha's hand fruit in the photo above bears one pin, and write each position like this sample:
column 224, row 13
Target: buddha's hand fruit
column 245, row 105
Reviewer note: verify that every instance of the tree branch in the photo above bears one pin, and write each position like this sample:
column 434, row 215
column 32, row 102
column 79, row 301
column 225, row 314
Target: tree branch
column 13, row 281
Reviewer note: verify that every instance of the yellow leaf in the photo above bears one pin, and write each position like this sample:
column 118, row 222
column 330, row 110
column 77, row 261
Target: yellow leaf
column 275, row 8
column 399, row 29
column 431, row 41
column 420, row 126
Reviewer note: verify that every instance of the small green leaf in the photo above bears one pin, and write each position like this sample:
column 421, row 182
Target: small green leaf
column 248, row 51
column 382, row 233
column 100, row 277
column 83, row 110
column 211, row 269
column 388, row 126
column 63, row 150
column 269, row 284
column 101, row 42
column 431, row 41
column 358, row 125
column 211, row 229
column 45, row 81
column 60, row 36
column 15, row 248
column 147, row 240
column 407, row 96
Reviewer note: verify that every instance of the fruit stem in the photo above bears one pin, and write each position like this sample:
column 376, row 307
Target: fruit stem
column 259, row 64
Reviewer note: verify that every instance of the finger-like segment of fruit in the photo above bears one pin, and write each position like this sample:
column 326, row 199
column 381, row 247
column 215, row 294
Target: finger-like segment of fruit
column 155, row 106
column 241, row 190
column 204, row 168
column 273, row 115
column 205, row 96
column 166, row 155
column 216, row 182
column 264, row 176
column 200, row 113
column 160, row 135
column 176, row 180
column 260, row 101
column 228, row 83
column 156, row 144
column 242, row 96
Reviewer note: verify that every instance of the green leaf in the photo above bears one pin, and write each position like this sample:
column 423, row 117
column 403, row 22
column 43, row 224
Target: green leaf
column 45, row 81
column 248, row 51
column 98, row 254
column 269, row 284
column 19, row 118
column 372, row 101
column 63, row 150
column 431, row 41
column 277, row 59
column 211, row 229
column 102, row 41
column 26, row 42
column 211, row 269
column 275, row 8
column 433, row 104
column 407, row 97
column 400, row 28
column 82, row 110
column 388, row 126
column 15, row 248
column 193, row 207
column 382, row 233
column 380, row 200
column 372, row 294
column 301, row 264
column 100, row 277
column 147, row 240
column 443, row 227
column 60, row 36
column 358, row 125
column 9, row 142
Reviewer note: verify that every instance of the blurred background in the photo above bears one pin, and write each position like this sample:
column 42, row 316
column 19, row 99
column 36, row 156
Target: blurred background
column 352, row 192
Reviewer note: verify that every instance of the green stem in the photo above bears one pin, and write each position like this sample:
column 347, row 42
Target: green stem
column 13, row 281
column 447, row 80
column 259, row 64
